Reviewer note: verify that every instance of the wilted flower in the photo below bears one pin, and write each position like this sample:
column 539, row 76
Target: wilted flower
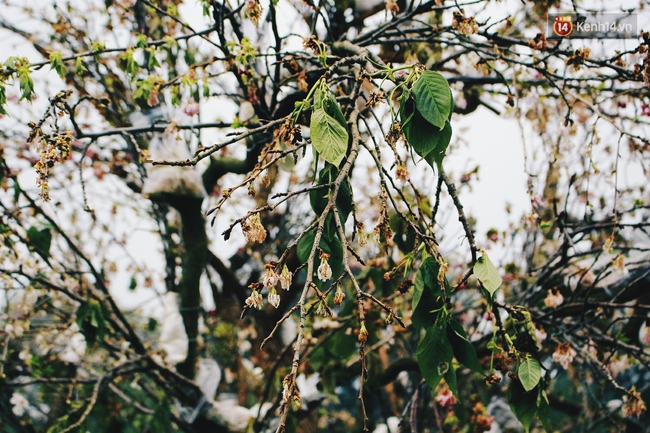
column 564, row 354
column 402, row 173
column 19, row 403
column 339, row 297
column 285, row 278
column 481, row 418
column 324, row 270
column 540, row 334
column 633, row 403
column 255, row 300
column 270, row 278
column 554, row 298
column 363, row 333
column 618, row 264
column 254, row 11
column 446, row 399
column 465, row 26
column 253, row 229
column 286, row 382
column 273, row 298
column 392, row 7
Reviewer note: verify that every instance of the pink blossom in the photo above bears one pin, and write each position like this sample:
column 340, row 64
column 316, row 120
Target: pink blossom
column 192, row 108
column 446, row 399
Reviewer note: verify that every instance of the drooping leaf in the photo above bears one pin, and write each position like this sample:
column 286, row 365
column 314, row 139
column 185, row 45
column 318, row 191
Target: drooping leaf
column 426, row 294
column 3, row 99
column 427, row 140
column 40, row 240
column 56, row 63
column 128, row 63
column 90, row 319
column 318, row 197
column 544, row 410
column 464, row 350
column 487, row 273
column 435, row 355
column 80, row 69
column 26, row 83
column 451, row 379
column 433, row 98
column 438, row 153
column 328, row 136
column 406, row 108
column 305, row 245
column 529, row 372
column 523, row 404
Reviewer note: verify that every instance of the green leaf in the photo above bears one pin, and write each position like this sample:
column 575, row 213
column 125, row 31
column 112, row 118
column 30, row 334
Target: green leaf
column 56, row 63
column 128, row 64
column 90, row 319
column 161, row 419
column 464, row 350
column 79, row 67
column 26, row 83
column 133, row 283
column 544, row 410
column 433, row 98
column 523, row 404
column 318, row 197
column 452, row 381
column 487, row 273
column 443, row 139
column 141, row 41
column 305, row 245
column 435, row 355
column 426, row 140
column 426, row 294
column 329, row 137
column 3, row 99
column 40, row 240
column 333, row 247
column 152, row 61
column 529, row 372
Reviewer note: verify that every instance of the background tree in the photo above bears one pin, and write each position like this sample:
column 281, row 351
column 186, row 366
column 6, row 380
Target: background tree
column 360, row 303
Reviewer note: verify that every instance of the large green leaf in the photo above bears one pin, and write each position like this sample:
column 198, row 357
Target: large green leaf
column 438, row 153
column 464, row 350
column 426, row 294
column 435, row 355
column 529, row 372
column 426, row 139
column 328, row 136
column 523, row 404
column 318, row 197
column 487, row 273
column 433, row 98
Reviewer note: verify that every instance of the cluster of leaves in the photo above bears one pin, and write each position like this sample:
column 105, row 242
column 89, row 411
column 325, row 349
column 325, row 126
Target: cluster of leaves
column 425, row 114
